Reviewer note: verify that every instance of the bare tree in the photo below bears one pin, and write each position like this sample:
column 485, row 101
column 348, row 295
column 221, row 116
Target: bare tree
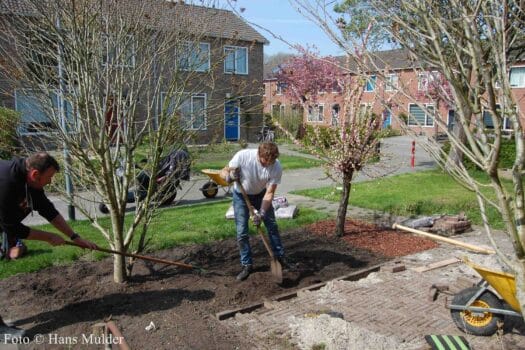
column 117, row 81
column 473, row 45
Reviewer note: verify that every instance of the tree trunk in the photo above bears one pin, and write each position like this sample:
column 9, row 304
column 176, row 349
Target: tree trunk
column 343, row 204
column 119, row 268
column 455, row 155
column 520, row 285
column 119, row 261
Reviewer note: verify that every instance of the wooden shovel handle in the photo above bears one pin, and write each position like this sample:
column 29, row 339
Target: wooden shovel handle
column 251, row 210
column 444, row 239
column 142, row 257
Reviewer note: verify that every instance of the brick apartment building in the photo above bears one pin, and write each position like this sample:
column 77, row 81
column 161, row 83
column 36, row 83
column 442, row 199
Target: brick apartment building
column 401, row 73
column 234, row 52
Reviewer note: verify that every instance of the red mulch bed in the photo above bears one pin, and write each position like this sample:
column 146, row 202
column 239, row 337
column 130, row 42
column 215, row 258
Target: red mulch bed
column 387, row 242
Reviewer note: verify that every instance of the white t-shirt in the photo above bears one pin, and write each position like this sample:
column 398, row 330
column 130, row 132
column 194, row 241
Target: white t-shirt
column 255, row 177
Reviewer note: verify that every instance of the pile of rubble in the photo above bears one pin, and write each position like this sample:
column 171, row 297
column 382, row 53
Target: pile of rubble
column 443, row 225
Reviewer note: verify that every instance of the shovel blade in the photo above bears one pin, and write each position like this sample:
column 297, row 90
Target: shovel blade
column 277, row 271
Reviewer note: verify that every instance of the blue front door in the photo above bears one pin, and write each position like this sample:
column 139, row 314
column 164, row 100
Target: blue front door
column 231, row 120
column 387, row 118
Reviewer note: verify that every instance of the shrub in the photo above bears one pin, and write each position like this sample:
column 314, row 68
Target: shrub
column 9, row 121
column 506, row 156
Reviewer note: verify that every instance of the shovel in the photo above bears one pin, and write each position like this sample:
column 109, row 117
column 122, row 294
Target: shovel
column 275, row 265
column 149, row 258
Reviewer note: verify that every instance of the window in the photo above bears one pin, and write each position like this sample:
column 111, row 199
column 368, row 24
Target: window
column 451, row 122
column 391, row 82
column 192, row 111
column 119, row 54
column 426, row 78
column 281, row 87
column 275, row 111
column 336, row 88
column 35, row 109
column 370, row 84
column 365, row 109
column 315, row 113
column 195, row 57
column 278, row 111
column 297, row 111
column 517, row 77
column 335, row 114
column 418, row 116
column 488, row 121
column 235, row 60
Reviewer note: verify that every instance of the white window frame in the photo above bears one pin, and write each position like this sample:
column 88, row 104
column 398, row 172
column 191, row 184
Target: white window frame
column 21, row 126
column 424, row 78
column 425, row 125
column 522, row 85
column 279, row 89
column 319, row 115
column 281, row 110
column 504, row 122
column 191, row 96
column 372, row 78
column 235, row 49
column 187, row 51
column 334, row 116
column 105, row 43
column 390, row 83
column 205, row 121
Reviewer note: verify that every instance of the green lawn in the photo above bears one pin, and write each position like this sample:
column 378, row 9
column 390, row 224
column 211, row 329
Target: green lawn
column 421, row 193
column 218, row 155
column 287, row 162
column 171, row 227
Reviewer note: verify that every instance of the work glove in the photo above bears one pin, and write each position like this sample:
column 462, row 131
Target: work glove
column 233, row 175
column 258, row 217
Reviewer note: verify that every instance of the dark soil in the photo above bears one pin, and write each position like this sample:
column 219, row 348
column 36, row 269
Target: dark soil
column 66, row 302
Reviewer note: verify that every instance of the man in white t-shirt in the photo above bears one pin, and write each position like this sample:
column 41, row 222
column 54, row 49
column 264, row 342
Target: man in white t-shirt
column 259, row 172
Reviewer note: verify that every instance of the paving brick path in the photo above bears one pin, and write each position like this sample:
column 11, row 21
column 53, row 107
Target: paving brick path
column 387, row 304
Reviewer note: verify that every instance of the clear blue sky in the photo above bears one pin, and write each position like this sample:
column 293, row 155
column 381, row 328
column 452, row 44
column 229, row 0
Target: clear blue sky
column 282, row 19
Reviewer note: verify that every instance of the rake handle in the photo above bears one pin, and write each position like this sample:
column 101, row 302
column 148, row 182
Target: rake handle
column 142, row 257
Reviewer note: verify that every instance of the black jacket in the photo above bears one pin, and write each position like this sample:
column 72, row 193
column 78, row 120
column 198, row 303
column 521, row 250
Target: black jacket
column 17, row 199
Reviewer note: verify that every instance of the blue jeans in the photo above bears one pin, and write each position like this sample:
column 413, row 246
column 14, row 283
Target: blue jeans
column 242, row 216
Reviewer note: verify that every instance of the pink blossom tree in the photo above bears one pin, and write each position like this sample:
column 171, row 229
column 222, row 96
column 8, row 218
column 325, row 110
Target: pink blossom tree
column 345, row 148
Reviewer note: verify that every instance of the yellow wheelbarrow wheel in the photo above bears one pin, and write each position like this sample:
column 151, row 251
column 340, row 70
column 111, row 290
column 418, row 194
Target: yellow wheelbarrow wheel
column 474, row 322
column 210, row 189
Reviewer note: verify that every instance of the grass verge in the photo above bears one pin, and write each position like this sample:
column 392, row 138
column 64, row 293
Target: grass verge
column 422, row 193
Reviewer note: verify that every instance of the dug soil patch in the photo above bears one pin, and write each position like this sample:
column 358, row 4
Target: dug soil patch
column 65, row 302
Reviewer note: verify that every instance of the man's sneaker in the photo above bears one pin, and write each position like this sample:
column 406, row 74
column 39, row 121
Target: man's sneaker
column 8, row 333
column 286, row 263
column 246, row 269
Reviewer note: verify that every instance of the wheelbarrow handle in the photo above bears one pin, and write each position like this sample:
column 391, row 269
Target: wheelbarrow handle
column 142, row 257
